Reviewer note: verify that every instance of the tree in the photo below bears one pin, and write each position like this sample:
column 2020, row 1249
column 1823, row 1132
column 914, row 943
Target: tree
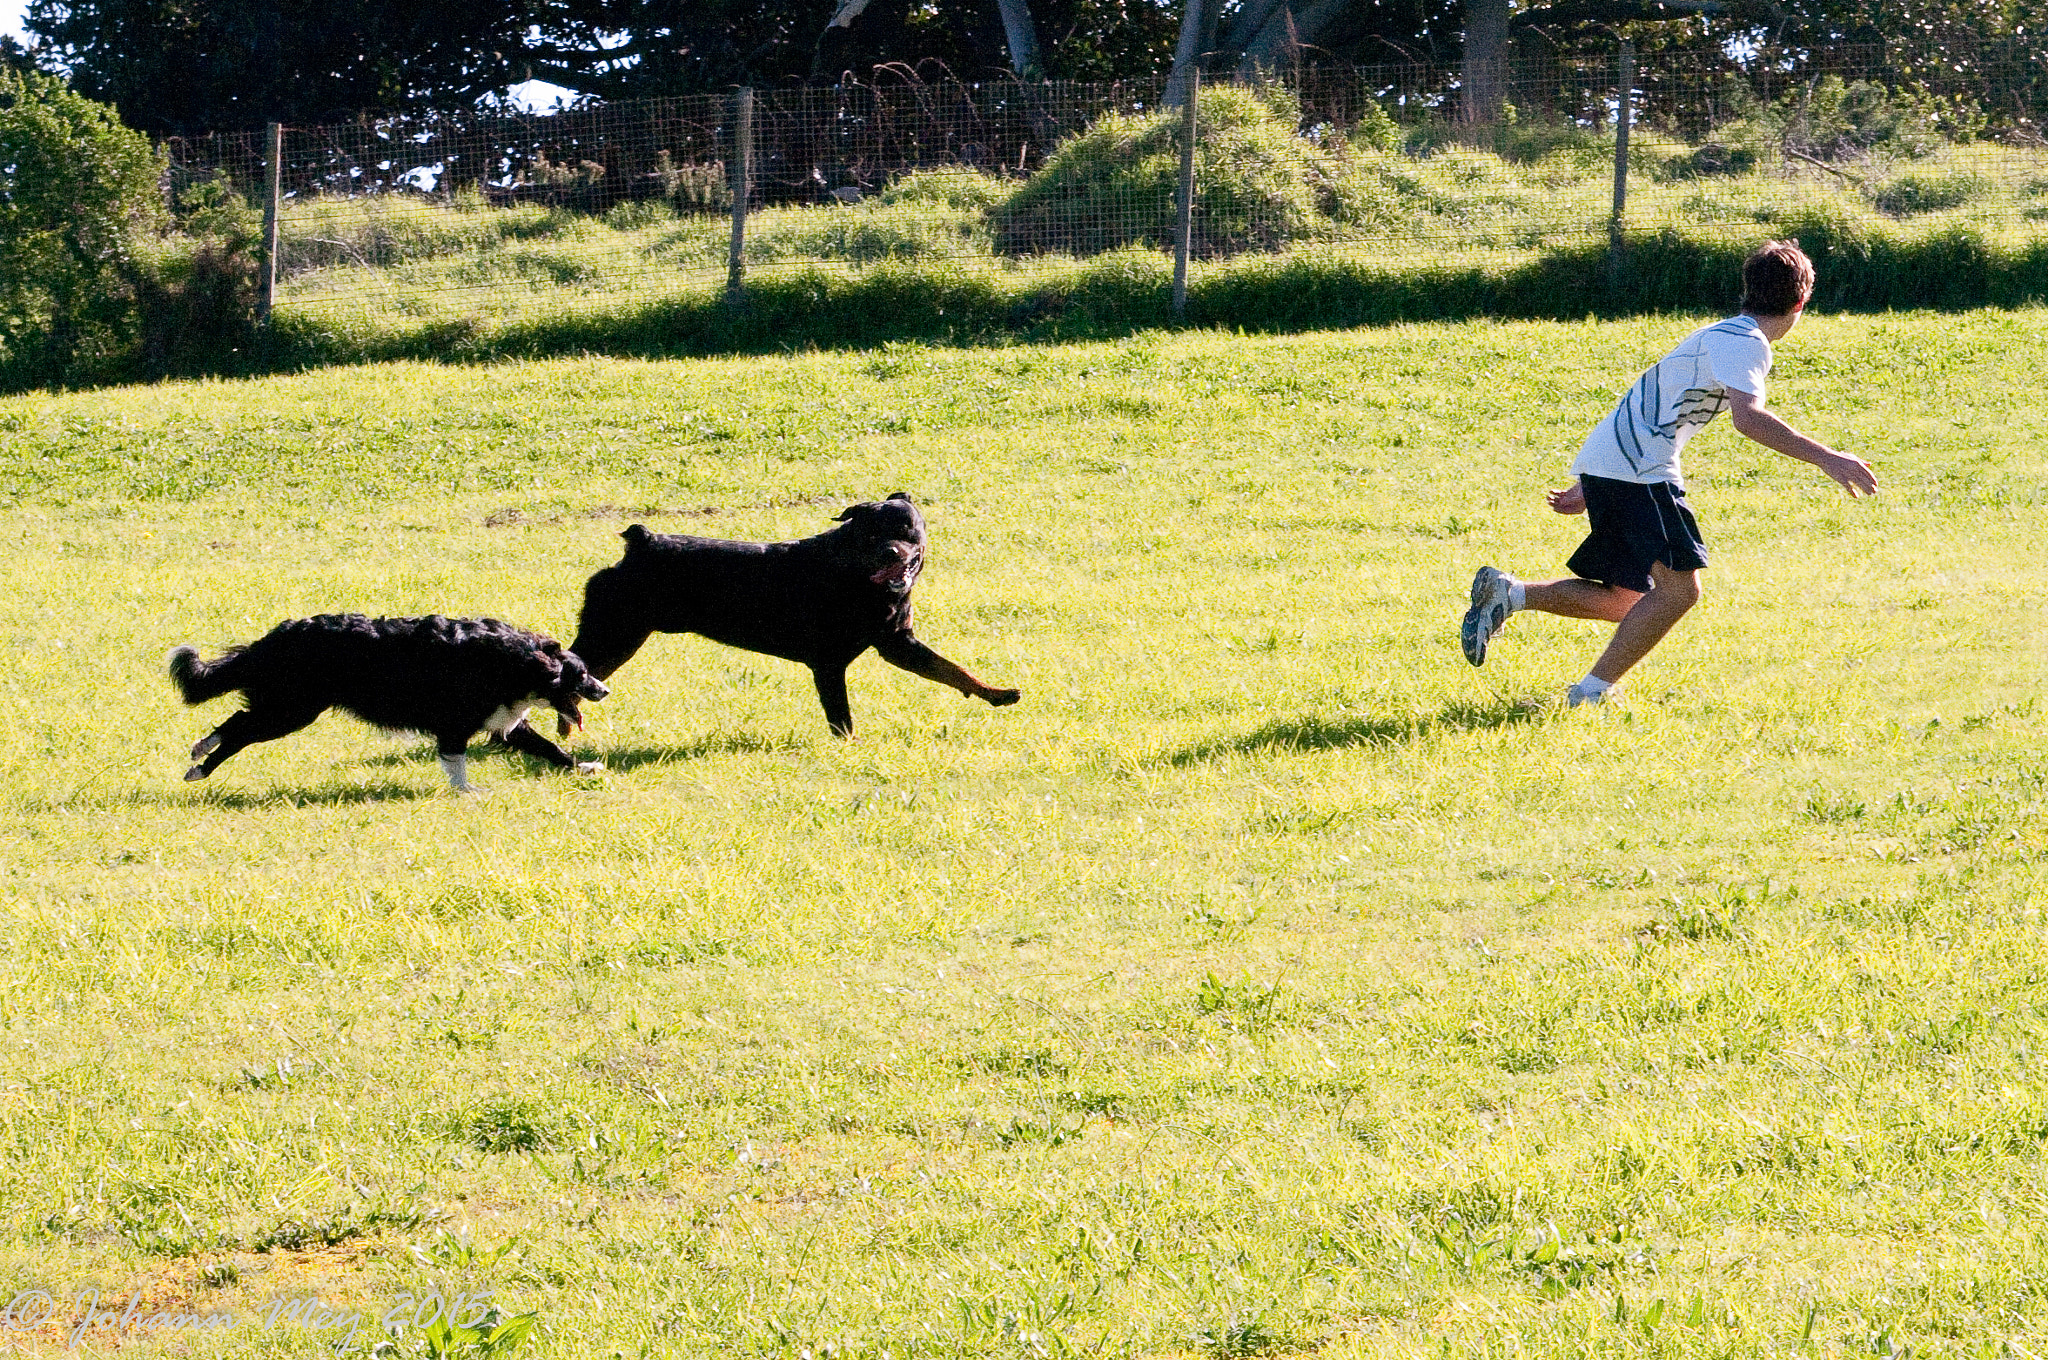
column 1486, row 60
column 78, row 199
column 192, row 66
column 618, row 49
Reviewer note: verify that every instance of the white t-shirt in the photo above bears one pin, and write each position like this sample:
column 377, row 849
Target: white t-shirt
column 1641, row 438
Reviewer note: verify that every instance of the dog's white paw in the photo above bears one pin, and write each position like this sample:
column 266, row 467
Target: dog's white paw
column 590, row 767
column 196, row 772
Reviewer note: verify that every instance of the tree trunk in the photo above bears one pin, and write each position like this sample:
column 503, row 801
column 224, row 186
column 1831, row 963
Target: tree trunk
column 1198, row 18
column 1023, row 38
column 1282, row 32
column 1486, row 60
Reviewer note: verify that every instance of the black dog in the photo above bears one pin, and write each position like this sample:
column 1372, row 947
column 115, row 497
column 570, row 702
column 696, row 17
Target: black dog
column 448, row 678
column 822, row 601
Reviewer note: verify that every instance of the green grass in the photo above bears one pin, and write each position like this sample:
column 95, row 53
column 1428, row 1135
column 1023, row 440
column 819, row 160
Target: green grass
column 1267, row 982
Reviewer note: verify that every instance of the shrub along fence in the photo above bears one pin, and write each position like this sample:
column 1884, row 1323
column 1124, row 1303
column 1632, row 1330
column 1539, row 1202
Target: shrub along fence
column 1613, row 166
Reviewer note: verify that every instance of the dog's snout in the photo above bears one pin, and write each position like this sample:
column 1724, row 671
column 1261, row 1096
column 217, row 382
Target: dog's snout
column 594, row 688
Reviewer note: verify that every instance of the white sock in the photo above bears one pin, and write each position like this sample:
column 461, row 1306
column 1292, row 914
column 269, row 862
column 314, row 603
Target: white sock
column 1592, row 687
column 1517, row 597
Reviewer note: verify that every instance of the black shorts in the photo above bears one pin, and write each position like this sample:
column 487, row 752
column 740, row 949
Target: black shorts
column 1633, row 525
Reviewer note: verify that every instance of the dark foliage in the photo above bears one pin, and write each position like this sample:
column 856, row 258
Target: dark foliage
column 192, row 66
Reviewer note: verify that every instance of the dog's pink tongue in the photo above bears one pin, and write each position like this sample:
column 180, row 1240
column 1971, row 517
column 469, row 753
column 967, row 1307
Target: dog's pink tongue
column 896, row 573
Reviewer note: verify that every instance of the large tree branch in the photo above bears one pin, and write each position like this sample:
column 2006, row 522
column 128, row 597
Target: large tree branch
column 1635, row 11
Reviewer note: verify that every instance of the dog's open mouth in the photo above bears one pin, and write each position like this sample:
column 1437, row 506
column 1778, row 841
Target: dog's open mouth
column 898, row 574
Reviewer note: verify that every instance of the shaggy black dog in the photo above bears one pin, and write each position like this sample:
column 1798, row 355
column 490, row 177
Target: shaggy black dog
column 448, row 678
column 822, row 601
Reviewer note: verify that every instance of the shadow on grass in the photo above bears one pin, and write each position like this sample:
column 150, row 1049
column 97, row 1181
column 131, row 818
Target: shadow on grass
column 619, row 759
column 345, row 795
column 1313, row 732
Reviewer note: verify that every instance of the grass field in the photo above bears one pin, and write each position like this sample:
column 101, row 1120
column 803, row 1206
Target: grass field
column 1268, row 982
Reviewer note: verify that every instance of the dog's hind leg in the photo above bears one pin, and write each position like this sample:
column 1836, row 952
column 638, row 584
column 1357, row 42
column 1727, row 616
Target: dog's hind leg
column 831, row 682
column 246, row 728
column 453, row 749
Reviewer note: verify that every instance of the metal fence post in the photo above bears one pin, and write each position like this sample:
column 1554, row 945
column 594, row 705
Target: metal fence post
column 1184, row 224
column 273, row 153
column 742, row 183
column 1624, row 115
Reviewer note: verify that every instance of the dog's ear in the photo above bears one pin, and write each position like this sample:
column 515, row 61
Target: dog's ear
column 903, row 496
column 850, row 511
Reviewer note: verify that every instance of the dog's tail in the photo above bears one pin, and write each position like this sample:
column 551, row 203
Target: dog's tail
column 197, row 680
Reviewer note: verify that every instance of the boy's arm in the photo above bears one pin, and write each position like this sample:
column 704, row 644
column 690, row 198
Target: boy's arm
column 1753, row 421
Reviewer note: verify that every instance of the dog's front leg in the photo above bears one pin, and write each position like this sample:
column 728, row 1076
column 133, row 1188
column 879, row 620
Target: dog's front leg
column 521, row 737
column 905, row 651
column 831, row 681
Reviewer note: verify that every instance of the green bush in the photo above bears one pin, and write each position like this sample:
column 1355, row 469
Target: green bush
column 960, row 187
column 79, row 200
column 637, row 213
column 1712, row 158
column 1920, row 192
column 196, row 305
column 196, row 291
column 1259, row 186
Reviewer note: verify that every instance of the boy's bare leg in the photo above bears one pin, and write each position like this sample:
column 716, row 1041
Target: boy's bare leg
column 1575, row 598
column 1647, row 620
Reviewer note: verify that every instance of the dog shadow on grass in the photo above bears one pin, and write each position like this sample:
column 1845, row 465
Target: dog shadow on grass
column 333, row 795
column 619, row 759
column 257, row 796
column 1316, row 732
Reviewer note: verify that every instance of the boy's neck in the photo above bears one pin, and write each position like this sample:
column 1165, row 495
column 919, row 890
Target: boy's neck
column 1778, row 326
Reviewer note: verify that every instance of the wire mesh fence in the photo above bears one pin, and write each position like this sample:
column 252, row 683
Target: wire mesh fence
column 505, row 215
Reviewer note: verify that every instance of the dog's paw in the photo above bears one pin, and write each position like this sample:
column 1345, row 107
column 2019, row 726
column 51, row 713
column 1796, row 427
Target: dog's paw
column 590, row 767
column 196, row 772
column 1002, row 698
column 204, row 747
column 469, row 791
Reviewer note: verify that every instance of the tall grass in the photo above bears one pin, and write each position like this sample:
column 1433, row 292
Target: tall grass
column 1396, row 230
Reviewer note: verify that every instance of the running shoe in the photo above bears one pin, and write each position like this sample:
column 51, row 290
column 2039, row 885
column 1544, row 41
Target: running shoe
column 1490, row 609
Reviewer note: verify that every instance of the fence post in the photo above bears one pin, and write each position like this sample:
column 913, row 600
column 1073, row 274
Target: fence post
column 1624, row 115
column 1184, row 224
column 742, row 183
column 273, row 155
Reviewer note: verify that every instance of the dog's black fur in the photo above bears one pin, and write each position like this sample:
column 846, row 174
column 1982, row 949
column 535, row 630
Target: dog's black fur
column 821, row 601
column 448, row 678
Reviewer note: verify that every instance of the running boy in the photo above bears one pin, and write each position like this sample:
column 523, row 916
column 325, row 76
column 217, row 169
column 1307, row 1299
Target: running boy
column 1639, row 566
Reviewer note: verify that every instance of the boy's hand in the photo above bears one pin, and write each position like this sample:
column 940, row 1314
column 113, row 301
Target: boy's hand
column 1569, row 501
column 1851, row 472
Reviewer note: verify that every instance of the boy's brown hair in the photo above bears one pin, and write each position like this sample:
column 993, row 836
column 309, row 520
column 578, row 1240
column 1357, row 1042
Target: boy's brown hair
column 1777, row 278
